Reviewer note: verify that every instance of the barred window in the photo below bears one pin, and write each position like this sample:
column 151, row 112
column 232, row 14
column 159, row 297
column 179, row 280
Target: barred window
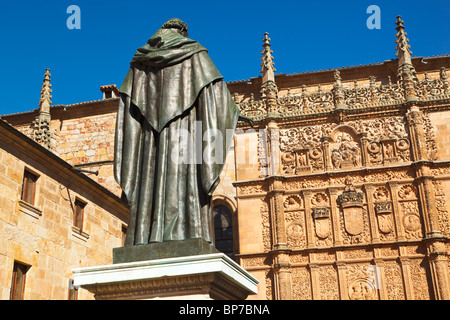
column 223, row 226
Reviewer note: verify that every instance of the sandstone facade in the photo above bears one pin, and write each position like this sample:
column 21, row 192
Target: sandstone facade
column 340, row 191
column 42, row 235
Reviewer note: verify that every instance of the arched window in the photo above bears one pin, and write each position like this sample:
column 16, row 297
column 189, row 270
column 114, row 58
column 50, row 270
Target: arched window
column 223, row 227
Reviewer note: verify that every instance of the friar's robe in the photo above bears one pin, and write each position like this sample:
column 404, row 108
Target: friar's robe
column 171, row 87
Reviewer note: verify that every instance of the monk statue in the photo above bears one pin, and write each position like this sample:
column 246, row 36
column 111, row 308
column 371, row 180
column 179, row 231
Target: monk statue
column 173, row 106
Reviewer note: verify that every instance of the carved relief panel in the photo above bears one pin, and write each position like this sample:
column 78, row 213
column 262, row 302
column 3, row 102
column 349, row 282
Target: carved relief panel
column 354, row 144
column 353, row 215
column 320, row 215
column 384, row 213
column 362, row 282
column 345, row 150
column 410, row 216
column 295, row 221
column 266, row 227
column 301, row 150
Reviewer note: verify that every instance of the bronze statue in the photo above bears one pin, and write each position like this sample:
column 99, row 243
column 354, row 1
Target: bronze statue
column 172, row 87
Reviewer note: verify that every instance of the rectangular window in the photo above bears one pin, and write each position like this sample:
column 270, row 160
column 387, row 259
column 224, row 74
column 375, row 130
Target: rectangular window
column 29, row 187
column 78, row 214
column 18, row 281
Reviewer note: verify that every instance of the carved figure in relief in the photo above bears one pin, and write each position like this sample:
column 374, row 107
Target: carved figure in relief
column 361, row 289
column 345, row 151
column 336, row 159
column 389, row 151
column 319, row 200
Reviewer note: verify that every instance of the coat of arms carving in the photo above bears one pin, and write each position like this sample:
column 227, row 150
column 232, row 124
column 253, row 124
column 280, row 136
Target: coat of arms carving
column 384, row 215
column 322, row 222
column 351, row 202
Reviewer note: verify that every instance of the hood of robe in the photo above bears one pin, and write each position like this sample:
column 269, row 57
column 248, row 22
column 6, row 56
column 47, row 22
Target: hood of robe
column 167, row 75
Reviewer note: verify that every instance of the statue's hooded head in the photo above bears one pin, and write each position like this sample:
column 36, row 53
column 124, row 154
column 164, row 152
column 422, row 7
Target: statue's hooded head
column 180, row 26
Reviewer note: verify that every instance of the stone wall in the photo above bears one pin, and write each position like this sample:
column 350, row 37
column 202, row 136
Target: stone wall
column 42, row 235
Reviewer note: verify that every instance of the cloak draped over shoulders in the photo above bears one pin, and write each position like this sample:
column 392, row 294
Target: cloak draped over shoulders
column 172, row 86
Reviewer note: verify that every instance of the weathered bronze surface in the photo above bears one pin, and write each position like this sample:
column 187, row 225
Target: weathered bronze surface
column 163, row 250
column 172, row 85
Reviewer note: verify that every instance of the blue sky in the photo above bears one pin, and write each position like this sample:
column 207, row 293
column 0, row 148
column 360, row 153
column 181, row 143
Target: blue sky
column 306, row 36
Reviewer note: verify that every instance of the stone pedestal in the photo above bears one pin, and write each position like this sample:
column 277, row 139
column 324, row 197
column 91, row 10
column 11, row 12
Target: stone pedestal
column 207, row 276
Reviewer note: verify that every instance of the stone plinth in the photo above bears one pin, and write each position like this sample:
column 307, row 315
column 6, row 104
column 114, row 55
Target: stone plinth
column 210, row 276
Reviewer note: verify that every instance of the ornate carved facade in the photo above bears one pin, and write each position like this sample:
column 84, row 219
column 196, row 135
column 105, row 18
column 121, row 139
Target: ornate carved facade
column 350, row 188
column 340, row 191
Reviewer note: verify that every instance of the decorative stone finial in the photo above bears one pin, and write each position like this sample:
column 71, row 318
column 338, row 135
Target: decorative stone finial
column 403, row 48
column 41, row 125
column 338, row 91
column 269, row 89
column 406, row 70
column 46, row 98
column 267, row 70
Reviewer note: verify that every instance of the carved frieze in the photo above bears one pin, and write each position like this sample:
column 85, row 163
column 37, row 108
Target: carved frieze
column 317, row 148
column 348, row 95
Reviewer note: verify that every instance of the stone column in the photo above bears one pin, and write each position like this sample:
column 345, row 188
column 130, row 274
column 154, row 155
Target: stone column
column 326, row 153
column 369, row 189
column 406, row 273
column 277, row 218
column 333, row 192
column 380, row 278
column 282, row 275
column 393, row 186
column 315, row 282
column 428, row 201
column 364, row 152
column 342, row 279
column 274, row 148
column 416, row 128
column 437, row 256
